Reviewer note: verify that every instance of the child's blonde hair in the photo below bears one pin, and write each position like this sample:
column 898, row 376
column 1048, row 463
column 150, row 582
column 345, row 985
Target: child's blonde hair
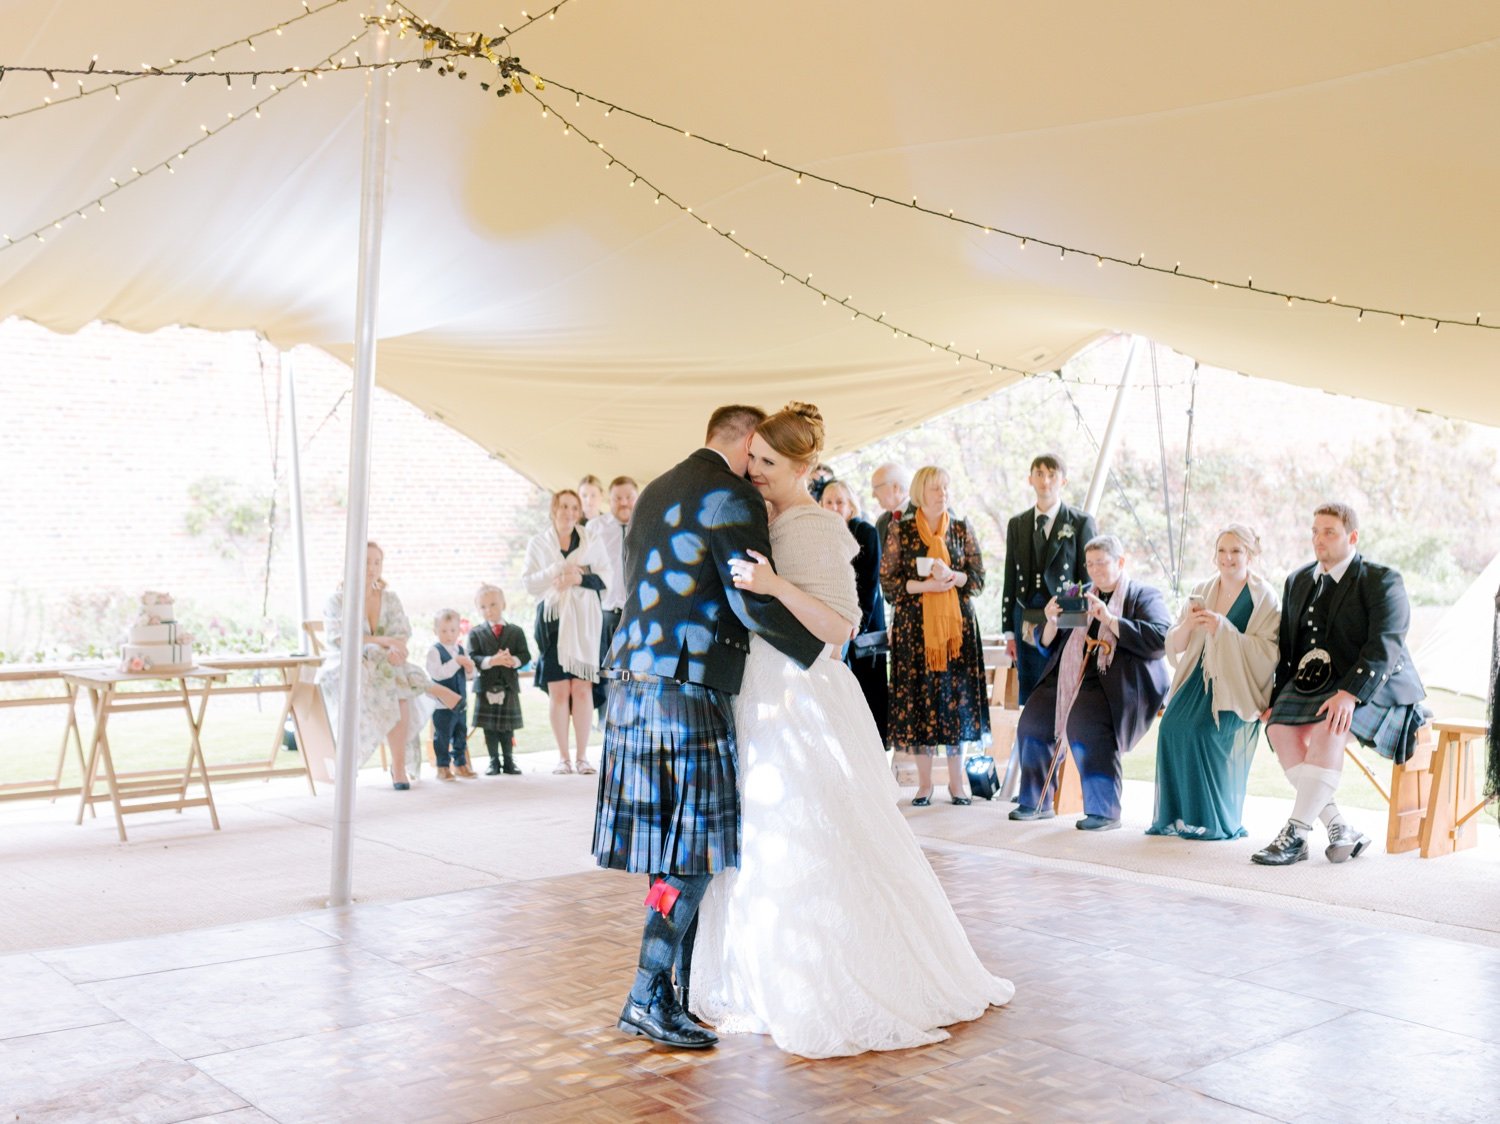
column 445, row 615
column 488, row 588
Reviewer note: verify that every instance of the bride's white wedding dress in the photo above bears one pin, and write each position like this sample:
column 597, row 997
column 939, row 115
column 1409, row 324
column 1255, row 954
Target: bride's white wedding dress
column 834, row 935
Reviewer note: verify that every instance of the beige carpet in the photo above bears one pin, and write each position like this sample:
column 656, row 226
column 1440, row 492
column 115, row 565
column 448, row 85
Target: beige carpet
column 70, row 885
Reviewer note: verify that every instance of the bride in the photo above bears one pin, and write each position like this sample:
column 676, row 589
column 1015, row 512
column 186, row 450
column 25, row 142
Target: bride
column 833, row 936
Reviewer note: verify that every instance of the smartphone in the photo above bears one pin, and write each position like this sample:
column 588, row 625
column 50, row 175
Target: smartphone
column 1195, row 601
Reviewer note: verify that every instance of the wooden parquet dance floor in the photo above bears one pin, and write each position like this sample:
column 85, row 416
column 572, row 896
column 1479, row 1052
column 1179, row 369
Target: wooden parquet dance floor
column 1133, row 1003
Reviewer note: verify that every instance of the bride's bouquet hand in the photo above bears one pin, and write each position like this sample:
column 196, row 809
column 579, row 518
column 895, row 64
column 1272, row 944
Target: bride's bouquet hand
column 756, row 576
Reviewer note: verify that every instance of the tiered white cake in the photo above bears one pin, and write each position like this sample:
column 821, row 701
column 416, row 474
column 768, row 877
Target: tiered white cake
column 154, row 642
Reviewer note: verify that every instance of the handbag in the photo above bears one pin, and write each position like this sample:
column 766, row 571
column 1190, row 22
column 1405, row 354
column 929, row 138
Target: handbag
column 983, row 780
column 868, row 645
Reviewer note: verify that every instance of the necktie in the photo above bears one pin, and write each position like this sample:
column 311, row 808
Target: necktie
column 496, row 627
column 1039, row 541
column 1320, row 587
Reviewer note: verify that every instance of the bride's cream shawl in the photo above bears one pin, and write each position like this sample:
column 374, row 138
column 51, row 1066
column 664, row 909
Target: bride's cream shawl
column 814, row 550
column 1238, row 667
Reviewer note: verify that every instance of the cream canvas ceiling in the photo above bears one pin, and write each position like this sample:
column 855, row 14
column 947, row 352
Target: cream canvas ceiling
column 567, row 322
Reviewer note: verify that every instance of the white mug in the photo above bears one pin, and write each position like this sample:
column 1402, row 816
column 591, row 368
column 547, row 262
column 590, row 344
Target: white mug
column 924, row 566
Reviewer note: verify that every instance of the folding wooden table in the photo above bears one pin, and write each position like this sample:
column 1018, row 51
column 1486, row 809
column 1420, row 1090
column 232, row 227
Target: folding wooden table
column 161, row 789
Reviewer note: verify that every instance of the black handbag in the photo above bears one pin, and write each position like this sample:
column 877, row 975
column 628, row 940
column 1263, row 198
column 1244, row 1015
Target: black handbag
column 868, row 645
column 983, row 780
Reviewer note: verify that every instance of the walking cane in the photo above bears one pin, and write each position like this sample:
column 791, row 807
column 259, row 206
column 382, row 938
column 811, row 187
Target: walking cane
column 1061, row 745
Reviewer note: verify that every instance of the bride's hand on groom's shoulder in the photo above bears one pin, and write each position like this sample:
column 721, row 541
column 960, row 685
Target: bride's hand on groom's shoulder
column 753, row 574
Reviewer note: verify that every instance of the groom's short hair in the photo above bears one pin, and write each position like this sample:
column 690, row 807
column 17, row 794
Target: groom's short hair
column 734, row 422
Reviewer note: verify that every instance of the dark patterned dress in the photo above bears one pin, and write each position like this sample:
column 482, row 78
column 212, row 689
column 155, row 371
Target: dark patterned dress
column 934, row 711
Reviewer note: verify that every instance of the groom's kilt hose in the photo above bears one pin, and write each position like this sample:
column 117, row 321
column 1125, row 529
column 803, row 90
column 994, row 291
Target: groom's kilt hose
column 668, row 803
column 1389, row 730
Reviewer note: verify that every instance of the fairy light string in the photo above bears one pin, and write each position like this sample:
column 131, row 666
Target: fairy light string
column 79, row 212
column 1022, row 239
column 128, row 77
column 661, row 194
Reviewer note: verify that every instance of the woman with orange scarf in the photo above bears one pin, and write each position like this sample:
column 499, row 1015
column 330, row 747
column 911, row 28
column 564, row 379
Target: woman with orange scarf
column 930, row 571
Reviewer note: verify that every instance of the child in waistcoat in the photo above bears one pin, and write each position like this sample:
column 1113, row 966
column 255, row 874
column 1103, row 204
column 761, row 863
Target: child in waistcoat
column 498, row 648
column 448, row 665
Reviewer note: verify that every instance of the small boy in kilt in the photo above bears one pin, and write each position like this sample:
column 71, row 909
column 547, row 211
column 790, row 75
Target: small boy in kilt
column 498, row 649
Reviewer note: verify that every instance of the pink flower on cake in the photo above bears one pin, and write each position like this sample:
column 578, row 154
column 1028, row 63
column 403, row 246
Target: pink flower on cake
column 137, row 663
column 150, row 597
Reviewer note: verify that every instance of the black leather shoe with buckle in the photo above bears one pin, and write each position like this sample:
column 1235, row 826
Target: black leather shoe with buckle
column 1286, row 849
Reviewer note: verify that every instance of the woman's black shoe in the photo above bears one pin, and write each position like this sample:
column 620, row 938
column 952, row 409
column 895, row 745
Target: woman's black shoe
column 493, row 770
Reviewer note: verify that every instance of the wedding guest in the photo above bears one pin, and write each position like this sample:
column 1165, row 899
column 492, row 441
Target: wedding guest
column 590, row 498
column 1099, row 692
column 565, row 569
column 821, row 475
column 890, row 485
column 609, row 528
column 1344, row 671
column 1224, row 648
column 394, row 694
column 930, row 573
column 450, row 666
column 1043, row 552
column 499, row 649
column 869, row 669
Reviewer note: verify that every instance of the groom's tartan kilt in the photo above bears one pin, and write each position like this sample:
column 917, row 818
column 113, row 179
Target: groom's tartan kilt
column 668, row 803
column 1389, row 730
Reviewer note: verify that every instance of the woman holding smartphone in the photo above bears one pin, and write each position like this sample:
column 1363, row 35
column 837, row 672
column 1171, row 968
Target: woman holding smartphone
column 1224, row 649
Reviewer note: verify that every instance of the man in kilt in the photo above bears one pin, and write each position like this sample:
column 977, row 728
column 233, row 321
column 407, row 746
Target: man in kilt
column 668, row 801
column 1344, row 671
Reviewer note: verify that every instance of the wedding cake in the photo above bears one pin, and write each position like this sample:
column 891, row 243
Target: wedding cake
column 154, row 642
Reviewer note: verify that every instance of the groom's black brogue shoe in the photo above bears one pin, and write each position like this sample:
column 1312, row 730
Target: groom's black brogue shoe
column 1024, row 813
column 664, row 1022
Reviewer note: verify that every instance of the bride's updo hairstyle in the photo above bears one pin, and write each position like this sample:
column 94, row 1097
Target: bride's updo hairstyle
column 796, row 432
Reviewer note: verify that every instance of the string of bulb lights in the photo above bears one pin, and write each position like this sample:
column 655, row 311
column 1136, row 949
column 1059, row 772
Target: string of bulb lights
column 80, row 212
column 730, row 236
column 147, row 69
column 1022, row 239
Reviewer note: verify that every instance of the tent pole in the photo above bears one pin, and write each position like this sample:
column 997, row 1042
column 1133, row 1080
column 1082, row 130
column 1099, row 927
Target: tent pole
column 1111, row 432
column 299, row 539
column 356, row 525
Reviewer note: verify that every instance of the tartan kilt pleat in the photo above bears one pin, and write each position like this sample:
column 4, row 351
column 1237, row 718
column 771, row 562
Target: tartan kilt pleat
column 668, row 800
column 1389, row 730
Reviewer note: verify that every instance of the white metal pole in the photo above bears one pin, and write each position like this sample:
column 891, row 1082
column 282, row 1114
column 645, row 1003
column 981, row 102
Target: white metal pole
column 299, row 540
column 1111, row 434
column 356, row 526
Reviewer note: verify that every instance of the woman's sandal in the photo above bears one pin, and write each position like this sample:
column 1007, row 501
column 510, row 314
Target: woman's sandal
column 584, row 766
column 562, row 768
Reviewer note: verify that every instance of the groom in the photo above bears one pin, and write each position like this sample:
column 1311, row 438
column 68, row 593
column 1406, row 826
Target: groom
column 668, row 802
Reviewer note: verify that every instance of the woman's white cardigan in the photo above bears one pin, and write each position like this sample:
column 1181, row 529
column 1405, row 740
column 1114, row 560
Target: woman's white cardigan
column 1238, row 666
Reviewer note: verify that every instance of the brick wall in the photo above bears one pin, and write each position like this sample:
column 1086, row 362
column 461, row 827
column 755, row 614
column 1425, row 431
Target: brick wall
column 106, row 430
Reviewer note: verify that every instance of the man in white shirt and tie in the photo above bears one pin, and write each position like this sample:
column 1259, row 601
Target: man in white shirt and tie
column 610, row 527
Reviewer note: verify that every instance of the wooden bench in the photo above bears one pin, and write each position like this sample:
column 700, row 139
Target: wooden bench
column 1452, row 799
column 1408, row 795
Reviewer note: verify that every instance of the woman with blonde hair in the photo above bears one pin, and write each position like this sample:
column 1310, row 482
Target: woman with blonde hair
column 565, row 570
column 932, row 571
column 1224, row 648
column 832, row 888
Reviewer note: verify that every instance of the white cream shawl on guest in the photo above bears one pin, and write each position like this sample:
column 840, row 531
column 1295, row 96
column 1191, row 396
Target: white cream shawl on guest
column 578, row 611
column 1237, row 667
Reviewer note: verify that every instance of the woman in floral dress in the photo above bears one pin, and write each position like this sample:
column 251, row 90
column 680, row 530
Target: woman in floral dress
column 938, row 699
column 393, row 694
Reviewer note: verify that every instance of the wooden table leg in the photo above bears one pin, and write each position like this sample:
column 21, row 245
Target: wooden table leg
column 71, row 730
column 86, row 784
column 106, row 704
column 277, row 745
column 195, row 753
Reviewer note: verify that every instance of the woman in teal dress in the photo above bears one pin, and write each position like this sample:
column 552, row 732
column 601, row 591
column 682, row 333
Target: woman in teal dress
column 1224, row 648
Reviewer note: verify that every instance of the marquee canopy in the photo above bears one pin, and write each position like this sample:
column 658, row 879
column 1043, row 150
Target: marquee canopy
column 567, row 321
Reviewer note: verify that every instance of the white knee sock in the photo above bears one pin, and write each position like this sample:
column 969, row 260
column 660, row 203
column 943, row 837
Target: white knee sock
column 1315, row 789
column 1331, row 815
